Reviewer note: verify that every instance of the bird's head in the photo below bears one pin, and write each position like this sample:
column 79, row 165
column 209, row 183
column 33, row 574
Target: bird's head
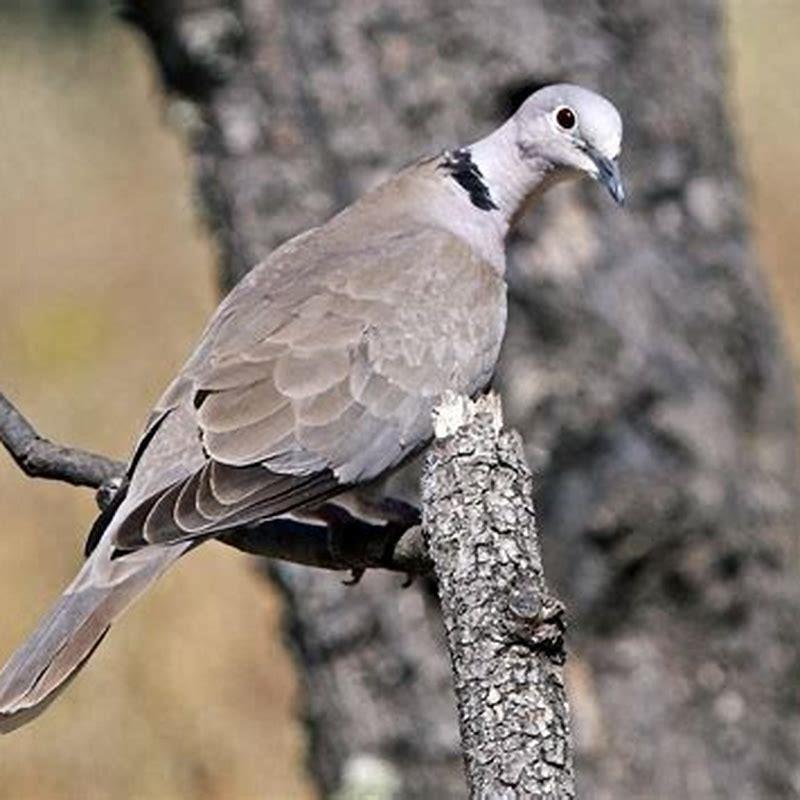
column 572, row 131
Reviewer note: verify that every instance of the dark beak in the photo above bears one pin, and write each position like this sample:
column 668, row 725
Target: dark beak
column 609, row 175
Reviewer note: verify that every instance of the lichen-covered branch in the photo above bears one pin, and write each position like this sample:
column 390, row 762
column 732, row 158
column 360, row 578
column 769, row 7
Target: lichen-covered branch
column 504, row 629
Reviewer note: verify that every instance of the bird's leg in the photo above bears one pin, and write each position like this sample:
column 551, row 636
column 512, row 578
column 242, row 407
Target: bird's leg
column 401, row 516
column 398, row 512
column 368, row 529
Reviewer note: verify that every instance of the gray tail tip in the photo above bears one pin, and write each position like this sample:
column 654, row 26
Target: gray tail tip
column 22, row 709
column 13, row 719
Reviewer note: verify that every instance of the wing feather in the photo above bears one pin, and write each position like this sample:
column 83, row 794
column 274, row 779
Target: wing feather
column 222, row 412
column 251, row 443
column 301, row 375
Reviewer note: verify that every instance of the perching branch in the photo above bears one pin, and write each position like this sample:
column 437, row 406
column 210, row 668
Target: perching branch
column 338, row 550
column 504, row 629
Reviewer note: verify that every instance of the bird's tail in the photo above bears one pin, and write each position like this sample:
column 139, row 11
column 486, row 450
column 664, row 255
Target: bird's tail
column 74, row 627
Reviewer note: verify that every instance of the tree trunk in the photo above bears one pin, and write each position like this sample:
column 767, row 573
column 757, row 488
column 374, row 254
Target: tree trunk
column 642, row 364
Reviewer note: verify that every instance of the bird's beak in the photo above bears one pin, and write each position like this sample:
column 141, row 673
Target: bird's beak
column 609, row 175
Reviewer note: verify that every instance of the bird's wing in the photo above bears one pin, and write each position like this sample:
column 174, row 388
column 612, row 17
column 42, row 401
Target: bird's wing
column 319, row 371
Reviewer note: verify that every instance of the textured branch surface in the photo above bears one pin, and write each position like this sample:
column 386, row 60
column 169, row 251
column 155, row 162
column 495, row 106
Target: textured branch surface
column 504, row 630
column 40, row 458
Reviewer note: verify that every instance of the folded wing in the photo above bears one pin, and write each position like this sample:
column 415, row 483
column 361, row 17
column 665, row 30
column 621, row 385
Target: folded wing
column 301, row 390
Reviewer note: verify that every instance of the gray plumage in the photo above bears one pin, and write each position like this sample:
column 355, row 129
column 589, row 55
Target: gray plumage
column 318, row 373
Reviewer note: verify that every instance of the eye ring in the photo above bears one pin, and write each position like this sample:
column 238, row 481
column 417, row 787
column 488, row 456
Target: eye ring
column 566, row 118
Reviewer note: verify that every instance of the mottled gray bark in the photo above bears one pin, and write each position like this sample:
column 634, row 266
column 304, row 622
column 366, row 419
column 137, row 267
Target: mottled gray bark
column 504, row 629
column 642, row 365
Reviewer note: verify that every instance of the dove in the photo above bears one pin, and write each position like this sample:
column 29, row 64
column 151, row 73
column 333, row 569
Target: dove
column 316, row 377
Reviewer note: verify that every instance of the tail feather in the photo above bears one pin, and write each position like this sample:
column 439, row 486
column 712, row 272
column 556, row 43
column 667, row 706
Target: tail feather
column 68, row 635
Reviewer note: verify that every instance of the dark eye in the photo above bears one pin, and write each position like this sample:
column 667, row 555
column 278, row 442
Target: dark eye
column 565, row 117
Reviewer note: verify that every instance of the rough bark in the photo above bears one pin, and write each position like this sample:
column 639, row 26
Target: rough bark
column 504, row 629
column 642, row 365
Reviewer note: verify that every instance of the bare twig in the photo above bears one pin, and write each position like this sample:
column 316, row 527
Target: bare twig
column 40, row 458
column 504, row 629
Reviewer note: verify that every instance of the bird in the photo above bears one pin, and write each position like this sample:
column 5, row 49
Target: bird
column 317, row 375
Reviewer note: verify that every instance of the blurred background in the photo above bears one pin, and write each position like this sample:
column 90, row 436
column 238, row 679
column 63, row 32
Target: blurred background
column 106, row 278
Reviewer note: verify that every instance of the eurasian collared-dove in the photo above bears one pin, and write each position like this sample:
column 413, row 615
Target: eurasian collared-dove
column 318, row 373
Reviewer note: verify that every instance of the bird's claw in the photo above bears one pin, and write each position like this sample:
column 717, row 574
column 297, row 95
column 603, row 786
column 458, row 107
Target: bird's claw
column 356, row 574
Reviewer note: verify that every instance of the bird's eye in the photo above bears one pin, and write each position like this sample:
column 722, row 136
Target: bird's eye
column 565, row 117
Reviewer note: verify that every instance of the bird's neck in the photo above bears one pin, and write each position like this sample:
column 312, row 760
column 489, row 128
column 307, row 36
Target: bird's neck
column 511, row 181
column 486, row 185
